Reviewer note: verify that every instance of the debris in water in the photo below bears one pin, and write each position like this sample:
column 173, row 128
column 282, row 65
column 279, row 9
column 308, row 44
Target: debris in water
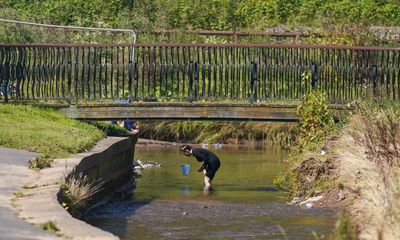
column 141, row 165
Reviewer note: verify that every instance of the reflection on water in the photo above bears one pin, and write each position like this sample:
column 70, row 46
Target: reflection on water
column 185, row 190
column 245, row 204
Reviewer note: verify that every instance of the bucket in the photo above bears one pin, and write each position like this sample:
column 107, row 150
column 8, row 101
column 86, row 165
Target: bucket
column 185, row 169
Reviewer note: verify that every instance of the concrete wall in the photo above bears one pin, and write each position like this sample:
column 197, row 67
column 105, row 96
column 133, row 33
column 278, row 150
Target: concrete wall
column 110, row 160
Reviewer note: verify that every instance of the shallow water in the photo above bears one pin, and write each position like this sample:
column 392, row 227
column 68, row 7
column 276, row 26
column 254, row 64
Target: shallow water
column 244, row 204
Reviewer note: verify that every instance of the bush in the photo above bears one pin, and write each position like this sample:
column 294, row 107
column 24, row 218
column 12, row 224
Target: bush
column 316, row 120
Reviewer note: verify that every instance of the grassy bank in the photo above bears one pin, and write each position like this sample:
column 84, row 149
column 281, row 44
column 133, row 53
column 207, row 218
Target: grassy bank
column 368, row 156
column 307, row 169
column 222, row 132
column 354, row 165
column 45, row 131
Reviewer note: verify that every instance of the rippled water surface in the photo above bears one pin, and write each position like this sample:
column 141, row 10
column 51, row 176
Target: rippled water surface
column 244, row 205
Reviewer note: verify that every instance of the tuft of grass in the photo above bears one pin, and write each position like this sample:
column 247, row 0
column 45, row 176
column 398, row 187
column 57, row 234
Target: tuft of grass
column 40, row 163
column 19, row 194
column 26, row 186
column 46, row 131
column 345, row 230
column 110, row 129
column 49, row 226
column 77, row 192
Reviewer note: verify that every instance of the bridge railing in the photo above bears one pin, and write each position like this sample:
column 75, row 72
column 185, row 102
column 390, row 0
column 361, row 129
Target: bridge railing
column 188, row 72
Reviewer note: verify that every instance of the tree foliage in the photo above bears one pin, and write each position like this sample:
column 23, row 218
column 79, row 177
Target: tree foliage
column 207, row 14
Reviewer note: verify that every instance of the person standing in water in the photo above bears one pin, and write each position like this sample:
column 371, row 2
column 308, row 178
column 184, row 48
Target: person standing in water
column 210, row 161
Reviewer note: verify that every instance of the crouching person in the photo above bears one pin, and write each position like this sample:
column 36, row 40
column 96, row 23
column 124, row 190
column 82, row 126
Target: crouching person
column 210, row 161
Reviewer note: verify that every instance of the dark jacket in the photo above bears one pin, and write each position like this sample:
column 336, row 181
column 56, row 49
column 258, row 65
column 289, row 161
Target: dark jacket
column 210, row 161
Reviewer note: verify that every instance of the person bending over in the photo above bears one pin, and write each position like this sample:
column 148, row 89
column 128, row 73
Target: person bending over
column 210, row 161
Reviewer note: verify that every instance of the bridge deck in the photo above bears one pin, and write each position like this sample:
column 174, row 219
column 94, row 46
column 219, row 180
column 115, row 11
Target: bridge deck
column 183, row 111
column 186, row 111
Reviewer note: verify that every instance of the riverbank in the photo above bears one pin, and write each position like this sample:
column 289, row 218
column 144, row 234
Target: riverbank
column 34, row 184
column 211, row 132
column 45, row 131
column 357, row 170
column 368, row 172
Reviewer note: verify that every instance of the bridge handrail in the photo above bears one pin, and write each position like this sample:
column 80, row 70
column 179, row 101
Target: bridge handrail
column 226, row 45
column 193, row 72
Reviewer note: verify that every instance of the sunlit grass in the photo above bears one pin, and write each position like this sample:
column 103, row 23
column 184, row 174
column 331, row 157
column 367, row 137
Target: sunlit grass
column 212, row 132
column 44, row 130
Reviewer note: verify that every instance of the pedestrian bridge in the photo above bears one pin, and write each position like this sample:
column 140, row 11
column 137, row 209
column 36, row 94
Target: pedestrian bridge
column 184, row 111
column 248, row 82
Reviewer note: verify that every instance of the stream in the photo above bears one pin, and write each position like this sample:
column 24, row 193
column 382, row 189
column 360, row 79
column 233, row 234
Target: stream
column 244, row 204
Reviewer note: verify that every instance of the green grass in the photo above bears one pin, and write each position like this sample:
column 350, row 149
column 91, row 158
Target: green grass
column 305, row 170
column 45, row 131
column 214, row 131
column 49, row 226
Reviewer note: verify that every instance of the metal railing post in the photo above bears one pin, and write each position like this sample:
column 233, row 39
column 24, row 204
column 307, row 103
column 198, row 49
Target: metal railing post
column 5, row 80
column 196, row 80
column 375, row 80
column 136, row 80
column 69, row 82
column 19, row 73
column 69, row 76
column 190, row 72
column 130, row 72
column 253, row 81
column 314, row 76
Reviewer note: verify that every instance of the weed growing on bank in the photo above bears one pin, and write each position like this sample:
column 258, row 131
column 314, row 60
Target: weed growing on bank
column 222, row 132
column 110, row 129
column 315, row 121
column 49, row 226
column 380, row 136
column 345, row 230
column 76, row 193
column 307, row 169
column 45, row 131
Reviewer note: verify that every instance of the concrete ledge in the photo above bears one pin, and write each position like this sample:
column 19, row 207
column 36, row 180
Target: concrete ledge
column 110, row 160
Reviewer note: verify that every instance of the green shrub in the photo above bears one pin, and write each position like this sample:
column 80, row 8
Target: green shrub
column 316, row 120
column 303, row 171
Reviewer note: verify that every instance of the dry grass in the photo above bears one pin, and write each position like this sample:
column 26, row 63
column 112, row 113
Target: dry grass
column 369, row 157
column 77, row 192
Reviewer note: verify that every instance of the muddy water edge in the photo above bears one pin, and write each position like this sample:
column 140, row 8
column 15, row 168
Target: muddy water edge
column 244, row 205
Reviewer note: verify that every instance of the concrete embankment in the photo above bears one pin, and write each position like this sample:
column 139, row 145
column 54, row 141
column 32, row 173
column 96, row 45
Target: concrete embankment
column 37, row 201
column 13, row 174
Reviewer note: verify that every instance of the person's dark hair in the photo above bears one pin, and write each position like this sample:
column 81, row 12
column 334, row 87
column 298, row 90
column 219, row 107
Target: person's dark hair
column 185, row 148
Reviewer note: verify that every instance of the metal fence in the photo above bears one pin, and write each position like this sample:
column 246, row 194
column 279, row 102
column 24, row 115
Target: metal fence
column 184, row 72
